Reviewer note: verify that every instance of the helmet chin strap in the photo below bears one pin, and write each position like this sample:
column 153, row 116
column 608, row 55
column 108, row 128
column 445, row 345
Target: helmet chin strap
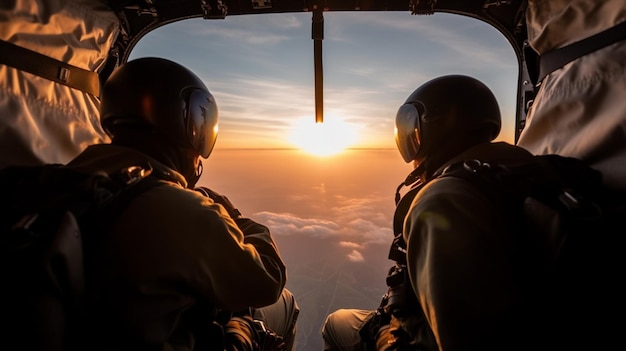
column 413, row 179
column 199, row 169
column 196, row 175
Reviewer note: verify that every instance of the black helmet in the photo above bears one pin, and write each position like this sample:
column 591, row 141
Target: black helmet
column 165, row 95
column 446, row 109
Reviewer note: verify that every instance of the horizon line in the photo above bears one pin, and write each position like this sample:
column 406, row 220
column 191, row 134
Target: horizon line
column 299, row 149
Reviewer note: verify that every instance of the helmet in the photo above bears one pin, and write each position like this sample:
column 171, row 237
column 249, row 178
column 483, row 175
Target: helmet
column 445, row 109
column 165, row 95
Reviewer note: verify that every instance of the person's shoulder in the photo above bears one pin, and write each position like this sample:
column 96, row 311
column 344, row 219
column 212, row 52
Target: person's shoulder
column 502, row 152
column 169, row 205
column 453, row 196
column 490, row 154
column 174, row 191
column 445, row 188
column 163, row 196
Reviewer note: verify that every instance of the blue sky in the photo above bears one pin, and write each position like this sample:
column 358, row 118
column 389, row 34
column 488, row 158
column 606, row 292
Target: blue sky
column 260, row 69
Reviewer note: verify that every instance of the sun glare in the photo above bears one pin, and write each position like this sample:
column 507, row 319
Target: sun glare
column 323, row 139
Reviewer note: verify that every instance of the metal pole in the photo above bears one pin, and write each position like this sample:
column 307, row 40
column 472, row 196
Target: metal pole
column 317, row 34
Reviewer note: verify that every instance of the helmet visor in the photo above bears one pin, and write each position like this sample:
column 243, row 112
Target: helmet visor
column 407, row 130
column 202, row 124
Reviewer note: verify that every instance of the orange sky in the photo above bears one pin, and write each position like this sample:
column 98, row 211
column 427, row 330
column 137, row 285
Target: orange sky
column 288, row 181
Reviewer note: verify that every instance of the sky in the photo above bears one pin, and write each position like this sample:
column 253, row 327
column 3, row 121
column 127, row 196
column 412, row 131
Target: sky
column 330, row 211
column 260, row 68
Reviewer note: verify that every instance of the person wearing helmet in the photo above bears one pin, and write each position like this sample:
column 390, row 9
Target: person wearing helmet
column 176, row 259
column 460, row 253
column 456, row 246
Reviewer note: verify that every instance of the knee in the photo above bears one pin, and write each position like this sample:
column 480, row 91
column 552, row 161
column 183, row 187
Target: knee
column 332, row 318
column 334, row 322
column 329, row 332
column 290, row 301
column 291, row 307
column 341, row 329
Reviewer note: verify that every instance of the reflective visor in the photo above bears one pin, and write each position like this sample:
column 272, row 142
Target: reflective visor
column 202, row 121
column 407, row 130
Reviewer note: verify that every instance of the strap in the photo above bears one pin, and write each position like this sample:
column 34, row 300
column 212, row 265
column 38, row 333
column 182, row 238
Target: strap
column 49, row 68
column 552, row 60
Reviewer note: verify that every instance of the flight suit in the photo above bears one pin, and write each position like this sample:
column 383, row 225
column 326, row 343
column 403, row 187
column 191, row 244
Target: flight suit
column 172, row 258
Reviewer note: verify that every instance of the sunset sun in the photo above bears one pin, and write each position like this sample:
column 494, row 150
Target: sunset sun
column 323, row 139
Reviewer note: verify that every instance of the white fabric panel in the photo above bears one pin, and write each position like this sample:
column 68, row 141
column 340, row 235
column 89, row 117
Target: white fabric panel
column 557, row 23
column 580, row 109
column 42, row 121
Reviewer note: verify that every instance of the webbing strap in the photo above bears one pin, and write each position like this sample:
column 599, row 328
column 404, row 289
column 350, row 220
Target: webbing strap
column 49, row 68
column 552, row 60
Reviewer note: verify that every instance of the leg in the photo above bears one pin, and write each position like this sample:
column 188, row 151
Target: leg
column 281, row 317
column 341, row 330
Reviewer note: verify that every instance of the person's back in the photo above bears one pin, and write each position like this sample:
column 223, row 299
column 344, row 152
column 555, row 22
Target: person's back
column 492, row 253
column 468, row 263
column 175, row 259
column 465, row 259
column 457, row 250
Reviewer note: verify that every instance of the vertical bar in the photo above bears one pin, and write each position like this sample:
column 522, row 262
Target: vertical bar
column 317, row 34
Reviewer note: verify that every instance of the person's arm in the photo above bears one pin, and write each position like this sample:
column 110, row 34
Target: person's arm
column 265, row 278
column 259, row 236
column 459, row 256
column 254, row 233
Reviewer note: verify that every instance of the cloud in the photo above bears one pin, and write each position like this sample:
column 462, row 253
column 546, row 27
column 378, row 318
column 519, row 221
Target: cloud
column 349, row 244
column 460, row 34
column 358, row 208
column 369, row 232
column 238, row 33
column 355, row 256
column 288, row 224
column 357, row 225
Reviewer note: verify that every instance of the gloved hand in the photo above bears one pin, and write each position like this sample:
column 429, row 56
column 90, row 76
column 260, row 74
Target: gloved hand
column 243, row 333
column 220, row 199
column 240, row 335
column 269, row 340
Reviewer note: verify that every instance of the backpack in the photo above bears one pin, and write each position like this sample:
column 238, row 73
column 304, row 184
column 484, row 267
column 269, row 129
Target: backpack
column 567, row 219
column 565, row 211
column 42, row 247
